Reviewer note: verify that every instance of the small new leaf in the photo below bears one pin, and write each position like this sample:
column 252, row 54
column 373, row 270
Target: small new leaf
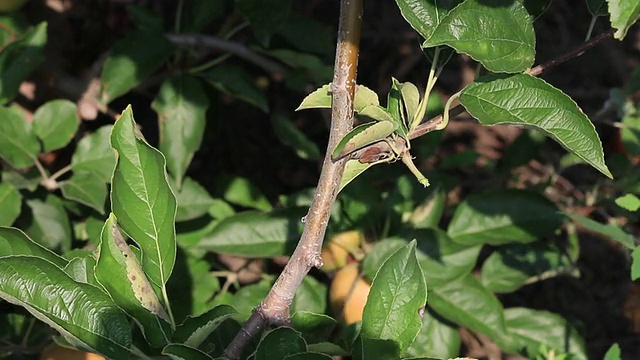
column 363, row 135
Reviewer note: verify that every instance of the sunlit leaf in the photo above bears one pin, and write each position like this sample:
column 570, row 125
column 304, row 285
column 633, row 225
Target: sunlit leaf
column 529, row 101
column 18, row 144
column 55, row 123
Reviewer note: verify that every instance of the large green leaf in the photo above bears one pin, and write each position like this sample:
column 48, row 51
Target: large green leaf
column 19, row 59
column 133, row 59
column 504, row 216
column 81, row 269
column 425, row 15
column 83, row 314
column 441, row 259
column 624, row 13
column 55, row 123
column 10, row 203
column 14, row 242
column 531, row 328
column 525, row 100
column 497, row 33
column 194, row 330
column 47, row 222
column 467, row 303
column 256, row 234
column 120, row 273
column 18, row 144
column 86, row 187
column 437, row 338
column 94, row 154
column 181, row 105
column 280, row 342
column 397, row 294
column 512, row 265
column 142, row 200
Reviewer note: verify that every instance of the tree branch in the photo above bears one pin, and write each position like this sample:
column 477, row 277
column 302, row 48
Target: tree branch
column 230, row 47
column 431, row 124
column 274, row 309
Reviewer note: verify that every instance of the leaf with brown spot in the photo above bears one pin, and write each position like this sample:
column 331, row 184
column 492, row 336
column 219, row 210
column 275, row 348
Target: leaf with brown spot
column 121, row 275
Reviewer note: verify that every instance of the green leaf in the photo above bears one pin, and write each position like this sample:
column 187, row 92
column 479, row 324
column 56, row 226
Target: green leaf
column 511, row 266
column 94, row 154
column 437, row 338
column 280, row 342
column 81, row 269
column 10, row 204
column 427, row 214
column 467, row 303
column 363, row 135
column 142, row 200
column 613, row 353
column 441, row 259
column 86, row 187
column 314, row 327
column 46, row 221
column 248, row 297
column 425, row 15
column 352, row 170
column 624, row 13
column 19, row 59
column 525, row 100
column 497, row 33
column 184, row 352
column 14, row 242
column 635, row 266
column 265, row 16
column 240, row 191
column 193, row 200
column 629, row 202
column 122, row 276
column 55, row 123
column 132, row 59
column 181, row 105
column 609, row 230
column 28, row 179
column 397, row 294
column 18, row 145
column 310, row 296
column 83, row 314
column 321, row 99
column 254, row 234
column 504, row 216
column 236, row 82
column 531, row 328
column 292, row 137
column 195, row 330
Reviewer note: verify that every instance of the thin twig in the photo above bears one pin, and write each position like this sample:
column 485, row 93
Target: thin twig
column 232, row 47
column 432, row 124
column 274, row 309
